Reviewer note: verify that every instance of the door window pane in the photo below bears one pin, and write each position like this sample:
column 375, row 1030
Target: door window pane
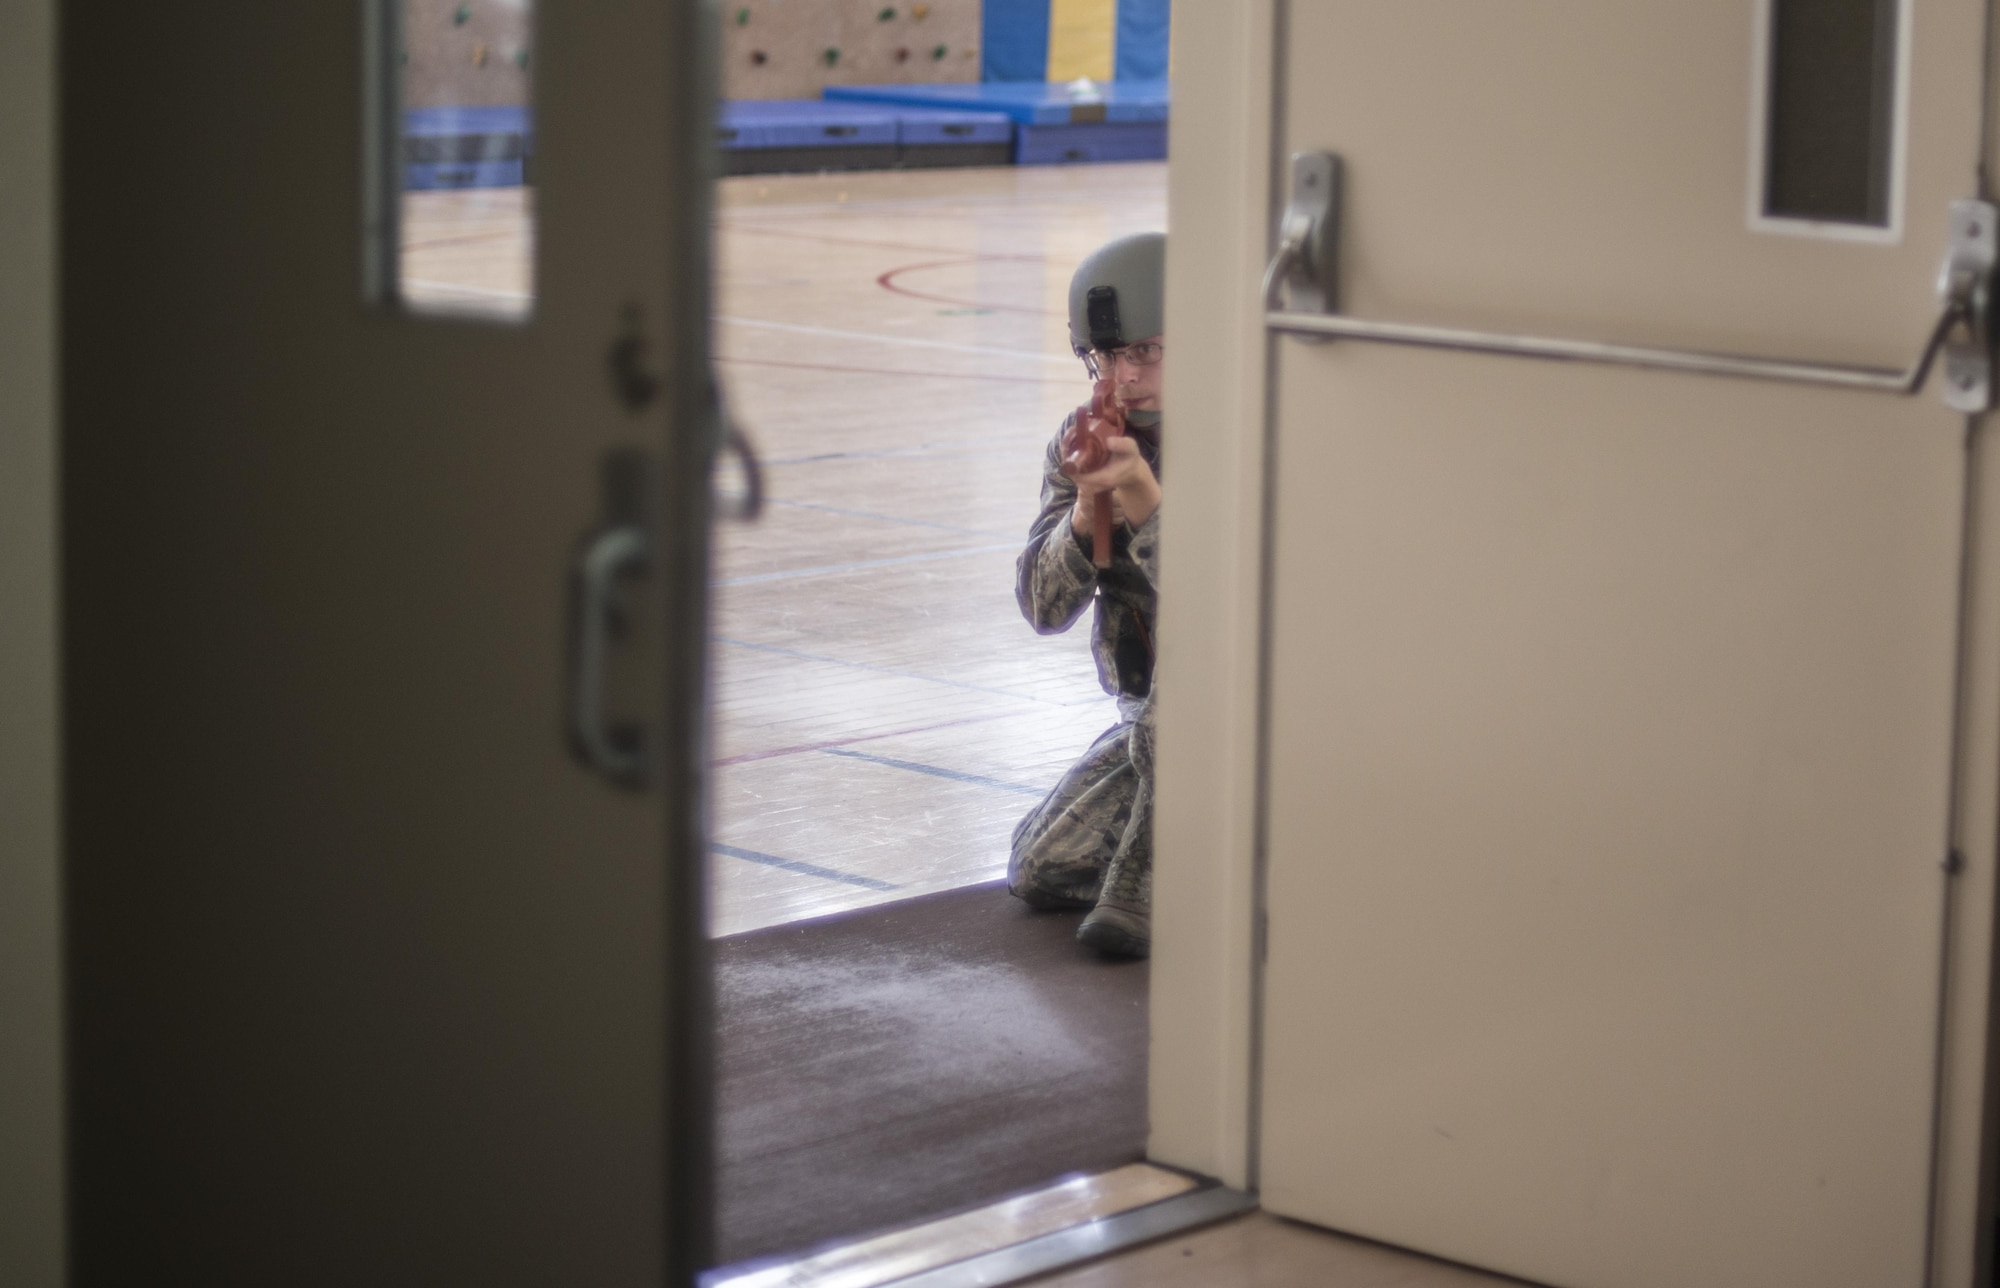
column 1830, row 110
column 455, row 167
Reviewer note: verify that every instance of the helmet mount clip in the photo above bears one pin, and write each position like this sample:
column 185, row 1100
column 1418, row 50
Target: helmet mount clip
column 1101, row 307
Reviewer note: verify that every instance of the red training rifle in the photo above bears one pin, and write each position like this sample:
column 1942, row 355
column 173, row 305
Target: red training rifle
column 1086, row 447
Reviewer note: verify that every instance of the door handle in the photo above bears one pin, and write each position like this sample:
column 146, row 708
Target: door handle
column 616, row 554
column 1304, row 264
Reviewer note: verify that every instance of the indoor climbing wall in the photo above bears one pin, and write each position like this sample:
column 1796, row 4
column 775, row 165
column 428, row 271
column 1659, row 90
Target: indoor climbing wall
column 796, row 48
column 466, row 53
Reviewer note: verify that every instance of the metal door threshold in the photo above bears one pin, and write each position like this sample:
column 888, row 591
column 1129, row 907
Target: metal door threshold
column 1064, row 1224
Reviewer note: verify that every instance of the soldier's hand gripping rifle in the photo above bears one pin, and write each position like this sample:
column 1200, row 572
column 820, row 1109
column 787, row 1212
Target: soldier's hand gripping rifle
column 1086, row 449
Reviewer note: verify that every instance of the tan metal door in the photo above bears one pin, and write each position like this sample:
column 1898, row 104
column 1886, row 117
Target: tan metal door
column 370, row 978
column 1612, row 709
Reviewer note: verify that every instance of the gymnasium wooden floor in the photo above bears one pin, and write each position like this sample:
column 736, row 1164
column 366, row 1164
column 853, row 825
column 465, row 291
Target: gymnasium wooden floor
column 896, row 345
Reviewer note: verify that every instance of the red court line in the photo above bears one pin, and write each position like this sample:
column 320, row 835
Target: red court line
column 748, row 756
column 888, row 371
column 859, row 241
column 887, row 282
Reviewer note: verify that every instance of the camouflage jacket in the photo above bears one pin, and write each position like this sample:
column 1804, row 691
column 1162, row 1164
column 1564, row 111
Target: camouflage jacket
column 1055, row 579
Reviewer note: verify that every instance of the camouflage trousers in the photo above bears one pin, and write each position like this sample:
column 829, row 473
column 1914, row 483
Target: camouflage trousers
column 1091, row 838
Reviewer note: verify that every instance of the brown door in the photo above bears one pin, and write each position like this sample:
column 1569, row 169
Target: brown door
column 1612, row 719
column 371, row 978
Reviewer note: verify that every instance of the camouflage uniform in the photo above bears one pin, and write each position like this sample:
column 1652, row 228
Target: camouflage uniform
column 1091, row 838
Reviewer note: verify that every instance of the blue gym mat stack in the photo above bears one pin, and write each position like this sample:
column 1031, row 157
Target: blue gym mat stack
column 1053, row 124
column 770, row 136
column 871, row 127
column 854, row 127
column 466, row 147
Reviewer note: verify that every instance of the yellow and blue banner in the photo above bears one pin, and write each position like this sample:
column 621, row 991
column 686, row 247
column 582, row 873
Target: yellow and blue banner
column 1060, row 40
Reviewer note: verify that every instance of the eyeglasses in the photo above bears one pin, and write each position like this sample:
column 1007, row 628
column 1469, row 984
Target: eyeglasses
column 1101, row 361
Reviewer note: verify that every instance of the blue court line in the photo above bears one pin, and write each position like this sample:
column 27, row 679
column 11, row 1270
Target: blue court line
column 790, row 573
column 885, row 518
column 937, row 771
column 890, row 670
column 805, row 869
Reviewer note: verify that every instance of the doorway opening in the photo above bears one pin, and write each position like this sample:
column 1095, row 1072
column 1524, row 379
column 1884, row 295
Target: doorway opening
column 900, row 1039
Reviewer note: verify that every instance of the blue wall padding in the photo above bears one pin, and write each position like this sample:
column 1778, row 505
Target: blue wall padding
column 1142, row 39
column 1014, row 41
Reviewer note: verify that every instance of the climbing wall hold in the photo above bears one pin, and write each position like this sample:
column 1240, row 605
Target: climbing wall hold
column 810, row 44
column 461, row 15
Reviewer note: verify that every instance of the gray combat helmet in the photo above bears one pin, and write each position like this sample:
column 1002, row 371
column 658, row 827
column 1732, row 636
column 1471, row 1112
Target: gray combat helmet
column 1118, row 296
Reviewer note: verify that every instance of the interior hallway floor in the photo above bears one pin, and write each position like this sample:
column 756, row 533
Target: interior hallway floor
column 1263, row 1251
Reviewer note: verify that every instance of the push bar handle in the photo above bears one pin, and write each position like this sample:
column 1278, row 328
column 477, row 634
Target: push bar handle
column 1304, row 266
